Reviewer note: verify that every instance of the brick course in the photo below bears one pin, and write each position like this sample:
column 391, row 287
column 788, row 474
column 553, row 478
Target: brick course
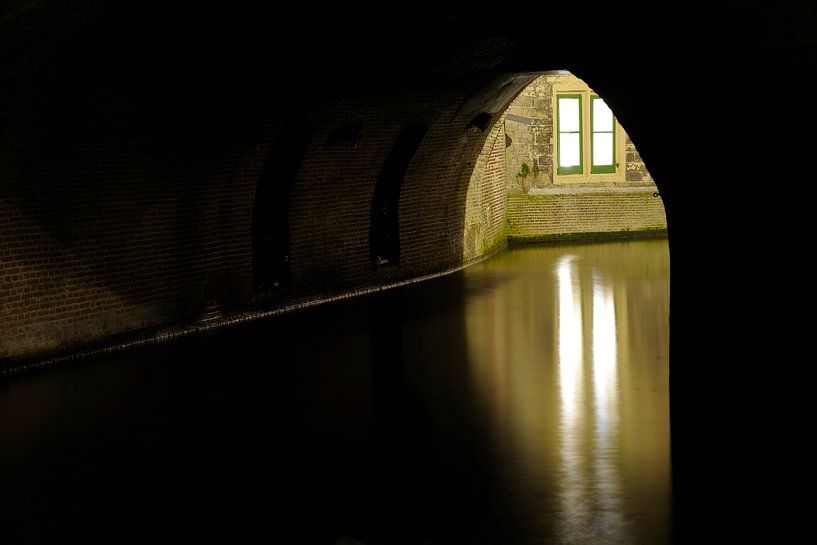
column 566, row 215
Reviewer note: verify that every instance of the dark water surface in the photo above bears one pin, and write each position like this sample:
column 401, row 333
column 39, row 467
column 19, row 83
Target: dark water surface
column 523, row 400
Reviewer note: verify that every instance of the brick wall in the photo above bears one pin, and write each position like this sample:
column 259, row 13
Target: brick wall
column 485, row 201
column 582, row 213
column 127, row 191
column 332, row 197
column 124, row 230
column 150, row 229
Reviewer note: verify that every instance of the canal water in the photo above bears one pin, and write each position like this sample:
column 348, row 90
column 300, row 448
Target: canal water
column 522, row 400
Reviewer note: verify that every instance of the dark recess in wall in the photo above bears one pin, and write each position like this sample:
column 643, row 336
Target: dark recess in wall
column 384, row 233
column 270, row 230
column 482, row 121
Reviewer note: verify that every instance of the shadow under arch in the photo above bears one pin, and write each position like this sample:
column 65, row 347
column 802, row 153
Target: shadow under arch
column 271, row 208
column 384, row 228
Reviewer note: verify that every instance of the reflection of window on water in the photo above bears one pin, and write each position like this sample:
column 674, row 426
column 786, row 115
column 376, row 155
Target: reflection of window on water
column 588, row 442
column 604, row 353
column 571, row 344
column 572, row 352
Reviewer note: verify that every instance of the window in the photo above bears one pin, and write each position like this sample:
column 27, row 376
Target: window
column 587, row 139
column 569, row 123
column 603, row 143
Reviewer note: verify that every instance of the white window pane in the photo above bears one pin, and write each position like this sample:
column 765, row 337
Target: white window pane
column 568, row 114
column 569, row 150
column 602, row 116
column 602, row 148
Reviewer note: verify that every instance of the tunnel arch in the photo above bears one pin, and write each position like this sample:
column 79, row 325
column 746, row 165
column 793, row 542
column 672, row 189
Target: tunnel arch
column 122, row 198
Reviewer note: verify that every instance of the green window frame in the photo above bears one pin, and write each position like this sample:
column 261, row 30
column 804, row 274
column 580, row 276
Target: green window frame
column 570, row 169
column 602, row 168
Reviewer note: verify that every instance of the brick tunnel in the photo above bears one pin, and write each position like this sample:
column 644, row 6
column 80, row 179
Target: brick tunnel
column 168, row 170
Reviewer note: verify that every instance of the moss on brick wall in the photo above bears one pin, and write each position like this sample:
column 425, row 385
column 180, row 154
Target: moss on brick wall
column 485, row 201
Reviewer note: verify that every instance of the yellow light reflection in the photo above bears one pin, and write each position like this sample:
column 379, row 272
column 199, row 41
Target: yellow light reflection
column 569, row 366
column 570, row 340
column 606, row 426
column 591, row 487
column 605, row 359
column 571, row 395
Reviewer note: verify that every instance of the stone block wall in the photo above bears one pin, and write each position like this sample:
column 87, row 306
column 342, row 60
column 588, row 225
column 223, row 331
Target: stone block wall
column 530, row 129
column 636, row 169
column 529, row 122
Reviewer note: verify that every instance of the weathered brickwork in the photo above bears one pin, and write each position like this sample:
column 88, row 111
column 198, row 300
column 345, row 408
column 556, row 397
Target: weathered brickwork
column 528, row 125
column 566, row 215
column 636, row 169
column 340, row 183
column 107, row 234
column 97, row 240
column 485, row 202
